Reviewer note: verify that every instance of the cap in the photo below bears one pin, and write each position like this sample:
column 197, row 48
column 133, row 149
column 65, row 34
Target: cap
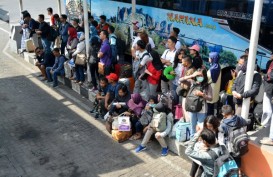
column 195, row 47
column 112, row 76
column 76, row 20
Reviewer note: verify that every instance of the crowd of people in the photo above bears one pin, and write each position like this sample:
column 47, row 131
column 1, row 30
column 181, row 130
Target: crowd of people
column 175, row 86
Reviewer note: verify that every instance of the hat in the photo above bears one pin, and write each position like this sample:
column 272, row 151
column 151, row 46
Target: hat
column 141, row 30
column 195, row 47
column 112, row 76
column 76, row 20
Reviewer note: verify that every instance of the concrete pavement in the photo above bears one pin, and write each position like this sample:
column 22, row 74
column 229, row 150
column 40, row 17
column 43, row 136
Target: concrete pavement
column 48, row 132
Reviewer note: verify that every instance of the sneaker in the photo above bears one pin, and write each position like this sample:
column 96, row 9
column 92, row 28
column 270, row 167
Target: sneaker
column 55, row 85
column 164, row 151
column 93, row 111
column 49, row 81
column 140, row 148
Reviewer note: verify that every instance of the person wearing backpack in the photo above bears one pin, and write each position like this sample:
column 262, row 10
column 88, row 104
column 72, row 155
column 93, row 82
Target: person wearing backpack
column 208, row 139
column 139, row 65
column 161, row 125
column 197, row 97
column 113, row 44
column 63, row 31
column 233, row 126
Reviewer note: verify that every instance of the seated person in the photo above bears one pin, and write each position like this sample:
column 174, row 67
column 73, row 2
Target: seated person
column 120, row 103
column 209, row 142
column 112, row 92
column 102, row 91
column 136, row 104
column 159, row 108
column 57, row 68
column 44, row 60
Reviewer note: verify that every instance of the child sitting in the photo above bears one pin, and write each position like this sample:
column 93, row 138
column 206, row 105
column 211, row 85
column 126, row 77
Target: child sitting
column 103, row 87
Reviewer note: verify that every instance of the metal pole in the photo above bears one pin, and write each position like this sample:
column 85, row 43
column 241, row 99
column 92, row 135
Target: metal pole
column 21, row 7
column 59, row 6
column 256, row 22
column 86, row 32
column 133, row 17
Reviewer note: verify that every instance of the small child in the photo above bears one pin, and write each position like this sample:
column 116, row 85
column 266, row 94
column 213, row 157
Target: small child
column 103, row 87
column 147, row 113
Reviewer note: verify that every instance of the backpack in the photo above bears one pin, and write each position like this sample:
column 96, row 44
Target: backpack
column 224, row 165
column 121, row 46
column 136, row 64
column 52, row 35
column 182, row 131
column 194, row 103
column 159, row 121
column 167, row 99
column 259, row 98
column 237, row 141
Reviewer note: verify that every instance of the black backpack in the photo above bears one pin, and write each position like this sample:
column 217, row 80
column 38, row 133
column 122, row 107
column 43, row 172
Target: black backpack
column 194, row 103
column 53, row 34
column 121, row 46
column 237, row 141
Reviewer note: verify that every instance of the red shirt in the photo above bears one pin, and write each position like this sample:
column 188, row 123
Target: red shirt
column 101, row 27
column 156, row 74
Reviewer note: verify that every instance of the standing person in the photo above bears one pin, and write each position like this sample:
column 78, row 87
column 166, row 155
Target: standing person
column 57, row 68
column 56, row 26
column 63, row 31
column 167, row 59
column 268, row 105
column 209, row 142
column 178, row 67
column 197, row 61
column 144, row 37
column 113, row 44
column 154, row 71
column 175, row 32
column 24, row 31
column 103, row 25
column 50, row 14
column 80, row 68
column 44, row 60
column 44, row 31
column 139, row 65
column 105, row 52
column 214, row 77
column 75, row 24
column 239, row 86
column 202, row 89
column 93, row 53
column 31, row 24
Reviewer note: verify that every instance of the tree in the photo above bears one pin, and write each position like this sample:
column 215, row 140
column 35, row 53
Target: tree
column 228, row 58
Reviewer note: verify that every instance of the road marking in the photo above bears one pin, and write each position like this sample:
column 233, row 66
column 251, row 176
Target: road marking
column 6, row 31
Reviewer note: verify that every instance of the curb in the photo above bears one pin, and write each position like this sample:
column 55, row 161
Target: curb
column 4, row 15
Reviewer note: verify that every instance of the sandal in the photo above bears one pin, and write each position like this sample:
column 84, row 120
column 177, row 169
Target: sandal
column 268, row 142
column 135, row 137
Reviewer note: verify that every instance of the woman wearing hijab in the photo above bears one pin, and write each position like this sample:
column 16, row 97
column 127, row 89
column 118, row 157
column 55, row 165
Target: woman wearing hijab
column 153, row 71
column 214, row 78
column 136, row 105
column 72, row 41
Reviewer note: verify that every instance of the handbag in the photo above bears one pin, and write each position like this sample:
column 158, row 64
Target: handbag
column 80, row 59
column 178, row 111
column 101, row 68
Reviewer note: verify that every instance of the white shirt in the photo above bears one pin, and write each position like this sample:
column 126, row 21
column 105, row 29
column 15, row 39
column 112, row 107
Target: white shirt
column 145, row 59
column 178, row 72
column 138, row 38
column 168, row 55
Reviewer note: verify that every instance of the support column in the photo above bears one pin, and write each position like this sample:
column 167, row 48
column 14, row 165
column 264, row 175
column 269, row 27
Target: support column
column 59, row 7
column 86, row 29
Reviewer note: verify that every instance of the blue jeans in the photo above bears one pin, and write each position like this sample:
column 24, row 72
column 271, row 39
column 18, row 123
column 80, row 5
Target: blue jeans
column 195, row 118
column 55, row 74
column 46, row 45
column 79, row 73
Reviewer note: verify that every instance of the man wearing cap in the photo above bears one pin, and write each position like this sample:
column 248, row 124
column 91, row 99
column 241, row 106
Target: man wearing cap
column 75, row 24
column 175, row 33
column 197, row 61
column 112, row 92
column 167, row 59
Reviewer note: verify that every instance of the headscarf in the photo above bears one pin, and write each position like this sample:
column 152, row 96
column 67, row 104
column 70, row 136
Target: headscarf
column 156, row 60
column 72, row 34
column 215, row 68
column 136, row 103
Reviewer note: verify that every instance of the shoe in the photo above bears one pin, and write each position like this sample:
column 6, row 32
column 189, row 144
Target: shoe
column 49, row 81
column 164, row 151
column 71, row 78
column 55, row 85
column 140, row 148
column 76, row 81
column 80, row 83
column 44, row 79
column 93, row 111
